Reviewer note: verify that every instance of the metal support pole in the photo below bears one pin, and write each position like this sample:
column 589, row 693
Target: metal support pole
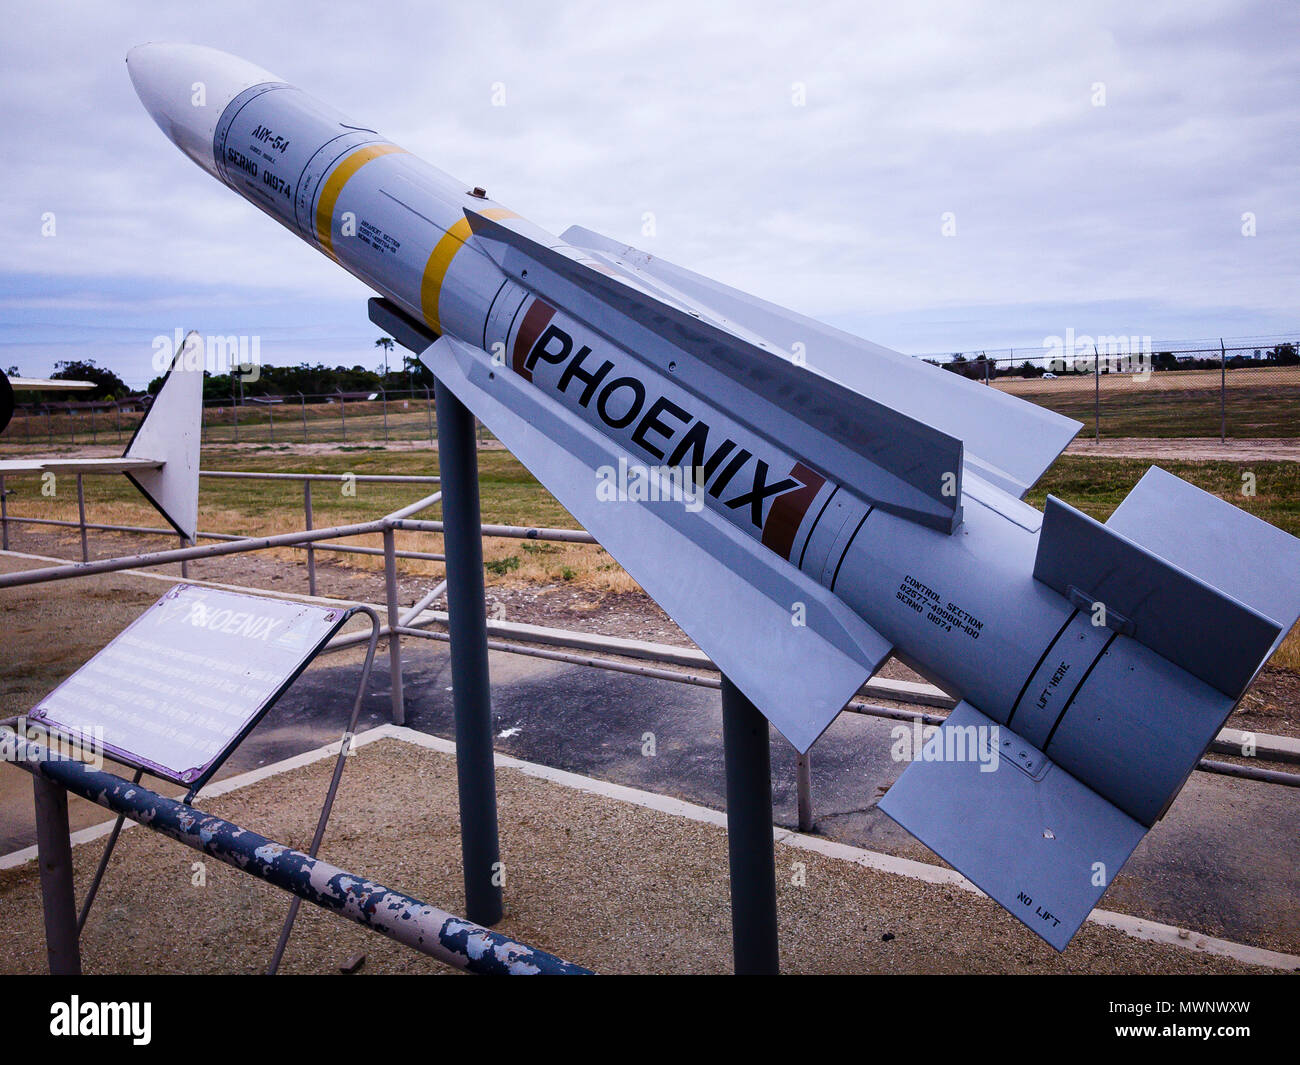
column 81, row 517
column 467, row 627
column 803, row 790
column 311, row 548
column 394, row 621
column 185, row 562
column 349, row 733
column 54, row 853
column 104, row 858
column 1096, row 377
column 1223, row 393
column 747, row 753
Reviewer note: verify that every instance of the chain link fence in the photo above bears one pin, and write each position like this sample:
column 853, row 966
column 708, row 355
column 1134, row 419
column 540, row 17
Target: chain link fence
column 1239, row 392
column 337, row 418
column 1222, row 392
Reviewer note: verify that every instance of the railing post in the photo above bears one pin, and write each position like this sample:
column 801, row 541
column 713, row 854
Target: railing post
column 81, row 517
column 748, row 757
column 467, row 628
column 803, row 790
column 54, row 855
column 394, row 620
column 311, row 546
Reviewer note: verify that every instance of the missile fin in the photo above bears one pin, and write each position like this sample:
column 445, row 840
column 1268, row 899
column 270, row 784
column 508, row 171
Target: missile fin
column 1244, row 557
column 1008, row 441
column 169, row 434
column 1169, row 609
column 1034, row 839
column 735, row 598
column 891, row 459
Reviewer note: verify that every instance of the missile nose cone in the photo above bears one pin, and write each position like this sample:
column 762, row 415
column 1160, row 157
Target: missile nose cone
column 186, row 87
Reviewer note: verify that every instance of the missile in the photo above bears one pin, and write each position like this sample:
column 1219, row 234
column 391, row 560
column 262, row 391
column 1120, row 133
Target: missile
column 803, row 503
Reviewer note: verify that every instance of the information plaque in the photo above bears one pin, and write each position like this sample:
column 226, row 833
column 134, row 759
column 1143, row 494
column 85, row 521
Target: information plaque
column 184, row 683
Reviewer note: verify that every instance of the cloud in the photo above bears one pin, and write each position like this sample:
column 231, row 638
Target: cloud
column 807, row 154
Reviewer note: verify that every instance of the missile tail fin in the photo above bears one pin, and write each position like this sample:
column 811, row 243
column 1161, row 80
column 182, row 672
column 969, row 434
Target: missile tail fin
column 170, row 434
column 1174, row 611
column 1029, row 835
column 793, row 648
column 1244, row 557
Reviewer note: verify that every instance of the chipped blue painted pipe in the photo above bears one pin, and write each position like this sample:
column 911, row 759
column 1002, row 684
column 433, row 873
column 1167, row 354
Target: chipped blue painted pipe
column 400, row 917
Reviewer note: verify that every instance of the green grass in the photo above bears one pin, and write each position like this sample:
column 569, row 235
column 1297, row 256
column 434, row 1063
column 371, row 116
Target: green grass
column 1098, row 485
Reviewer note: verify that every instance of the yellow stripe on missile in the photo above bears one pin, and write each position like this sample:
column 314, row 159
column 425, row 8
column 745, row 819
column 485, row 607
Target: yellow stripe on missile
column 329, row 196
column 435, row 270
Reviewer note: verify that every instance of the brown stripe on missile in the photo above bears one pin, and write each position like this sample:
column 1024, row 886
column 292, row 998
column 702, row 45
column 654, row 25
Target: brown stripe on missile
column 788, row 510
column 536, row 318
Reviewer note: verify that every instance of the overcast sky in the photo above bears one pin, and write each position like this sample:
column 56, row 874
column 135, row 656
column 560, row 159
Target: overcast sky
column 1124, row 218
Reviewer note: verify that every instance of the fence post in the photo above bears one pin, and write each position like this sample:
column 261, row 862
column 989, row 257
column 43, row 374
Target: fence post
column 394, row 620
column 1096, row 409
column 383, row 398
column 234, row 407
column 748, row 758
column 470, row 685
column 54, row 855
column 1223, row 393
column 94, row 433
column 311, row 546
column 81, row 517
column 117, row 421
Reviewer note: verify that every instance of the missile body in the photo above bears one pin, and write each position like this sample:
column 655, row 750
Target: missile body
column 848, row 502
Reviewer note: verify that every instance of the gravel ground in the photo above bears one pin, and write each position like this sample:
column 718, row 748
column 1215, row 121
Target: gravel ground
column 615, row 887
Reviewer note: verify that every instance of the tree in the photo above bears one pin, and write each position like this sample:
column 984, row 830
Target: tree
column 107, row 384
column 387, row 344
column 1285, row 355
